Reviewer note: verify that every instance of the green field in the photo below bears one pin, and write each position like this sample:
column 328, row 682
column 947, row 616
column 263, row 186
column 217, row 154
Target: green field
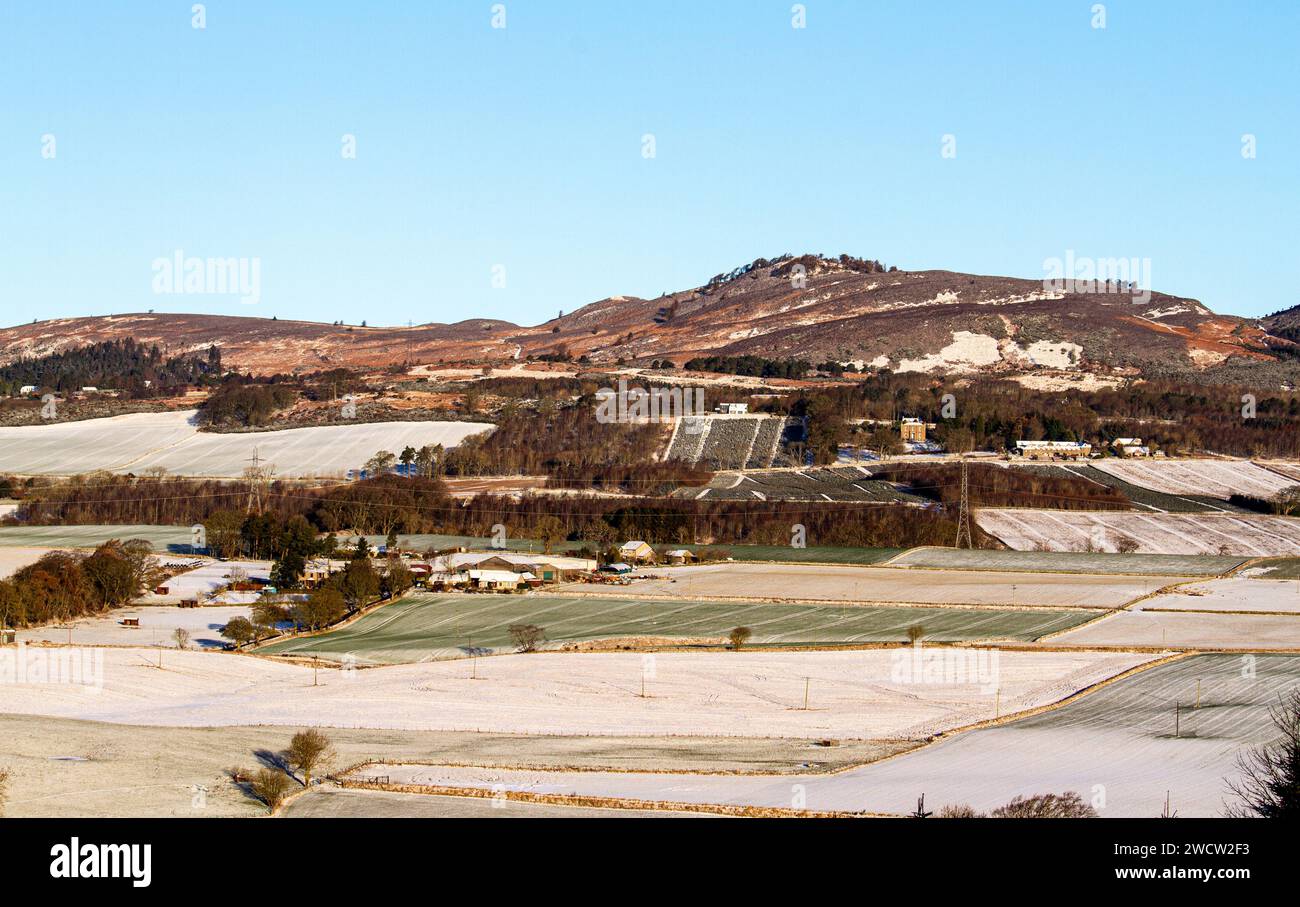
column 175, row 539
column 440, row 626
column 1069, row 562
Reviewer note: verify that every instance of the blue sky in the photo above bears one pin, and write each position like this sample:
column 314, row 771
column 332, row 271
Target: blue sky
column 522, row 147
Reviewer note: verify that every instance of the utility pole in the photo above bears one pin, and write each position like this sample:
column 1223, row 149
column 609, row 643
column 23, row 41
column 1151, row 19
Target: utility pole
column 805, row 693
column 963, row 510
column 1178, row 709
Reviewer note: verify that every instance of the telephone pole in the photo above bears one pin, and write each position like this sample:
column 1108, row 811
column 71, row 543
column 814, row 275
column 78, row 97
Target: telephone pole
column 963, row 510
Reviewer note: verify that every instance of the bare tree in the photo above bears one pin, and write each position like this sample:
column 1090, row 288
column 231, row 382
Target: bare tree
column 526, row 637
column 1068, row 805
column 307, row 750
column 182, row 637
column 915, row 633
column 1269, row 786
column 271, row 787
column 739, row 636
column 959, row 811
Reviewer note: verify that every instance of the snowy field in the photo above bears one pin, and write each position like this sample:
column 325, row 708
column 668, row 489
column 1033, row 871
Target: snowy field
column 1243, row 535
column 1187, row 630
column 1237, row 593
column 1213, row 478
column 157, row 627
column 171, row 441
column 851, row 695
column 14, row 559
column 1065, row 562
column 895, row 585
column 1115, row 747
column 163, row 538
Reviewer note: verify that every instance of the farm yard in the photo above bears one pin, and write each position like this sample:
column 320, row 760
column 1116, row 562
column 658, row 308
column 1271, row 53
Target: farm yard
column 426, row 627
column 1117, row 742
column 172, row 441
column 888, row 585
column 1241, row 535
column 852, row 695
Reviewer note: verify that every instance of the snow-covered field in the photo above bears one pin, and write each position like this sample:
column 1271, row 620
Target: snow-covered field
column 1186, row 630
column 827, row 582
column 158, row 626
column 171, row 441
column 1248, row 535
column 851, row 695
column 14, row 559
column 1215, row 478
column 1115, row 747
column 1236, row 593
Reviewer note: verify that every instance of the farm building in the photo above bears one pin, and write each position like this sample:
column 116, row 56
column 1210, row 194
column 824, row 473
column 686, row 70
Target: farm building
column 681, row 556
column 1130, row 447
column 1041, row 450
column 636, row 552
column 499, row 580
column 27, row 389
column 732, row 409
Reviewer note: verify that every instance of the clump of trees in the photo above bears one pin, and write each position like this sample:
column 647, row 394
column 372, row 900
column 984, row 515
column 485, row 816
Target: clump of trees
column 1068, row 805
column 236, row 404
column 63, row 585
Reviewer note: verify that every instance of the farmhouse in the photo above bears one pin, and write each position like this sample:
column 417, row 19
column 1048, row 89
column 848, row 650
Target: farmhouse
column 1046, row 450
column 681, row 556
column 912, row 430
column 27, row 389
column 636, row 552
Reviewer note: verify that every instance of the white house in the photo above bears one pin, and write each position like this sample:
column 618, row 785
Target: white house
column 732, row 409
column 28, row 389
